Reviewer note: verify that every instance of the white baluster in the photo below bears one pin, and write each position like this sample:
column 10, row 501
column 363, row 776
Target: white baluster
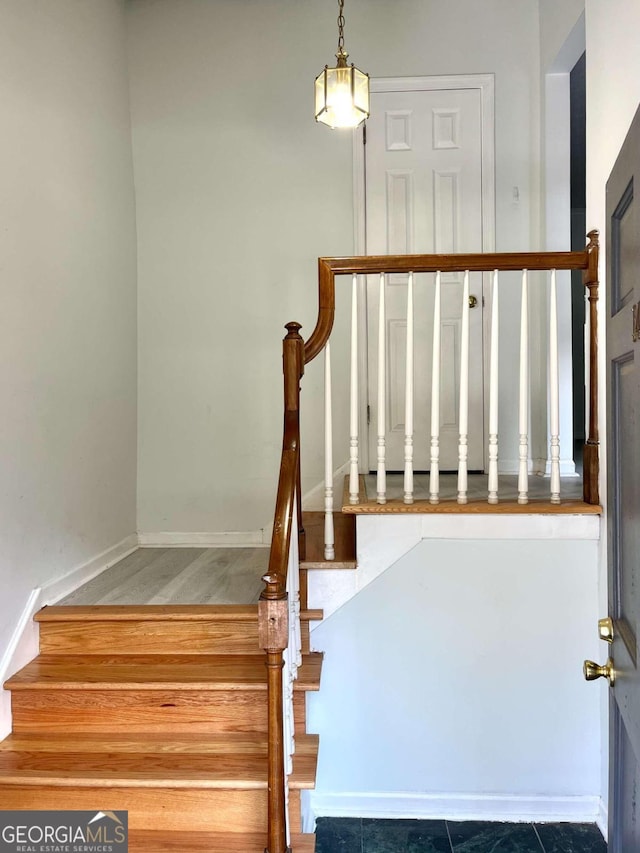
column 287, row 716
column 463, row 416
column 287, row 732
column 408, row 402
column 523, row 469
column 329, row 536
column 554, row 393
column 293, row 589
column 292, row 657
column 381, row 486
column 493, row 392
column 354, row 481
column 434, row 474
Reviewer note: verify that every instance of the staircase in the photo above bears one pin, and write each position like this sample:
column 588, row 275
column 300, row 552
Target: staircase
column 160, row 711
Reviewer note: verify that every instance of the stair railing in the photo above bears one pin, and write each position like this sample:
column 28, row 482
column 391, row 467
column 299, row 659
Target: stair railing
column 384, row 267
column 279, row 608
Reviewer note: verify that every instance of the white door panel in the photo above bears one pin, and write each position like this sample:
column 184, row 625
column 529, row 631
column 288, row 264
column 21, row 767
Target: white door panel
column 424, row 194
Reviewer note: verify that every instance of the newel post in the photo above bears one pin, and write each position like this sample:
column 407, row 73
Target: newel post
column 591, row 448
column 273, row 637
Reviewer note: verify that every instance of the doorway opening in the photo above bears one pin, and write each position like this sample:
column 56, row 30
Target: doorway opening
column 578, row 131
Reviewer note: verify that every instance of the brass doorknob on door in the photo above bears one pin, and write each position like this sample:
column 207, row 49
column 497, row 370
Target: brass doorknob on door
column 473, row 301
column 592, row 671
column 605, row 629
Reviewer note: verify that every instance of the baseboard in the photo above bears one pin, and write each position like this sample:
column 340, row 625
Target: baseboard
column 538, row 467
column 513, row 808
column 23, row 645
column 602, row 819
column 231, row 539
column 65, row 585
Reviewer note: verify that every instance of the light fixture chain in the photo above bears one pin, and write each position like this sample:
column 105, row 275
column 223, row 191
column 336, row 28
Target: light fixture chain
column 341, row 26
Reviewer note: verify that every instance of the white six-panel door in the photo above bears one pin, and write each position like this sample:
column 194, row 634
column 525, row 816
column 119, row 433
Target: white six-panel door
column 424, row 193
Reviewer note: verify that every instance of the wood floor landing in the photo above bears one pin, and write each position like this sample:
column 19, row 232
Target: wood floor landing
column 178, row 576
column 539, row 503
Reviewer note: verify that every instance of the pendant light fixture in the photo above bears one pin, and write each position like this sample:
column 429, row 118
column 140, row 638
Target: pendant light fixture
column 342, row 92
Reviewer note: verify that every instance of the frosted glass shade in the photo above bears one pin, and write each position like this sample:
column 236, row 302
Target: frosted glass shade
column 342, row 96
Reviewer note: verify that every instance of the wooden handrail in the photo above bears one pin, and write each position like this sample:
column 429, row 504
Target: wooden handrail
column 273, row 609
column 273, row 606
column 328, row 268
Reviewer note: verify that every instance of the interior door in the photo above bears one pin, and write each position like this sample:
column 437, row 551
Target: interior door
column 424, row 194
column 623, row 488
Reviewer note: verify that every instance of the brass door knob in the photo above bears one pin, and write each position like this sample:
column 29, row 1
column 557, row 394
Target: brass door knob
column 605, row 629
column 592, row 671
column 473, row 301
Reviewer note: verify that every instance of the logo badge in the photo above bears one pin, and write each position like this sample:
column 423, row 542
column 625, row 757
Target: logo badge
column 64, row 832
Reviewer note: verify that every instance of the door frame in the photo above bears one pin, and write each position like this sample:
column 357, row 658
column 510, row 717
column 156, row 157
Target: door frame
column 485, row 84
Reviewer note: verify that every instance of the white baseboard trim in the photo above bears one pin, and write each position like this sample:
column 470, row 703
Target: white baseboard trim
column 538, row 467
column 603, row 819
column 513, row 808
column 230, row 539
column 23, row 645
column 65, row 585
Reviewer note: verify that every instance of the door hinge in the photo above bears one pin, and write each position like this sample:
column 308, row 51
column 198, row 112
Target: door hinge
column 368, row 414
column 635, row 328
column 364, row 133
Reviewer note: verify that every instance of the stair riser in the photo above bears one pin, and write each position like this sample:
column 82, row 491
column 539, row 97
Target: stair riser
column 300, row 712
column 158, row 808
column 139, row 711
column 146, row 638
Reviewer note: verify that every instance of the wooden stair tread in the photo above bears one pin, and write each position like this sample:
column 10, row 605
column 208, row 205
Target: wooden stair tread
column 345, row 542
column 395, row 506
column 214, row 743
column 23, row 762
column 148, row 841
column 148, row 672
column 147, row 612
column 157, row 613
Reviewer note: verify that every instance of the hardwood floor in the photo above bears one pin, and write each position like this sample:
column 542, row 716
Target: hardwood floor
column 179, row 576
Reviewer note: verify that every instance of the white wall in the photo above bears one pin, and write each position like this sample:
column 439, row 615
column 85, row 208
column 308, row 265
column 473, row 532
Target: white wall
column 556, row 22
column 238, row 193
column 68, row 319
column 457, row 679
column 562, row 42
column 613, row 95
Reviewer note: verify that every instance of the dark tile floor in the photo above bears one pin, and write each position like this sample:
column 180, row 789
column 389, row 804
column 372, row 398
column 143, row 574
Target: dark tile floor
column 364, row 835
